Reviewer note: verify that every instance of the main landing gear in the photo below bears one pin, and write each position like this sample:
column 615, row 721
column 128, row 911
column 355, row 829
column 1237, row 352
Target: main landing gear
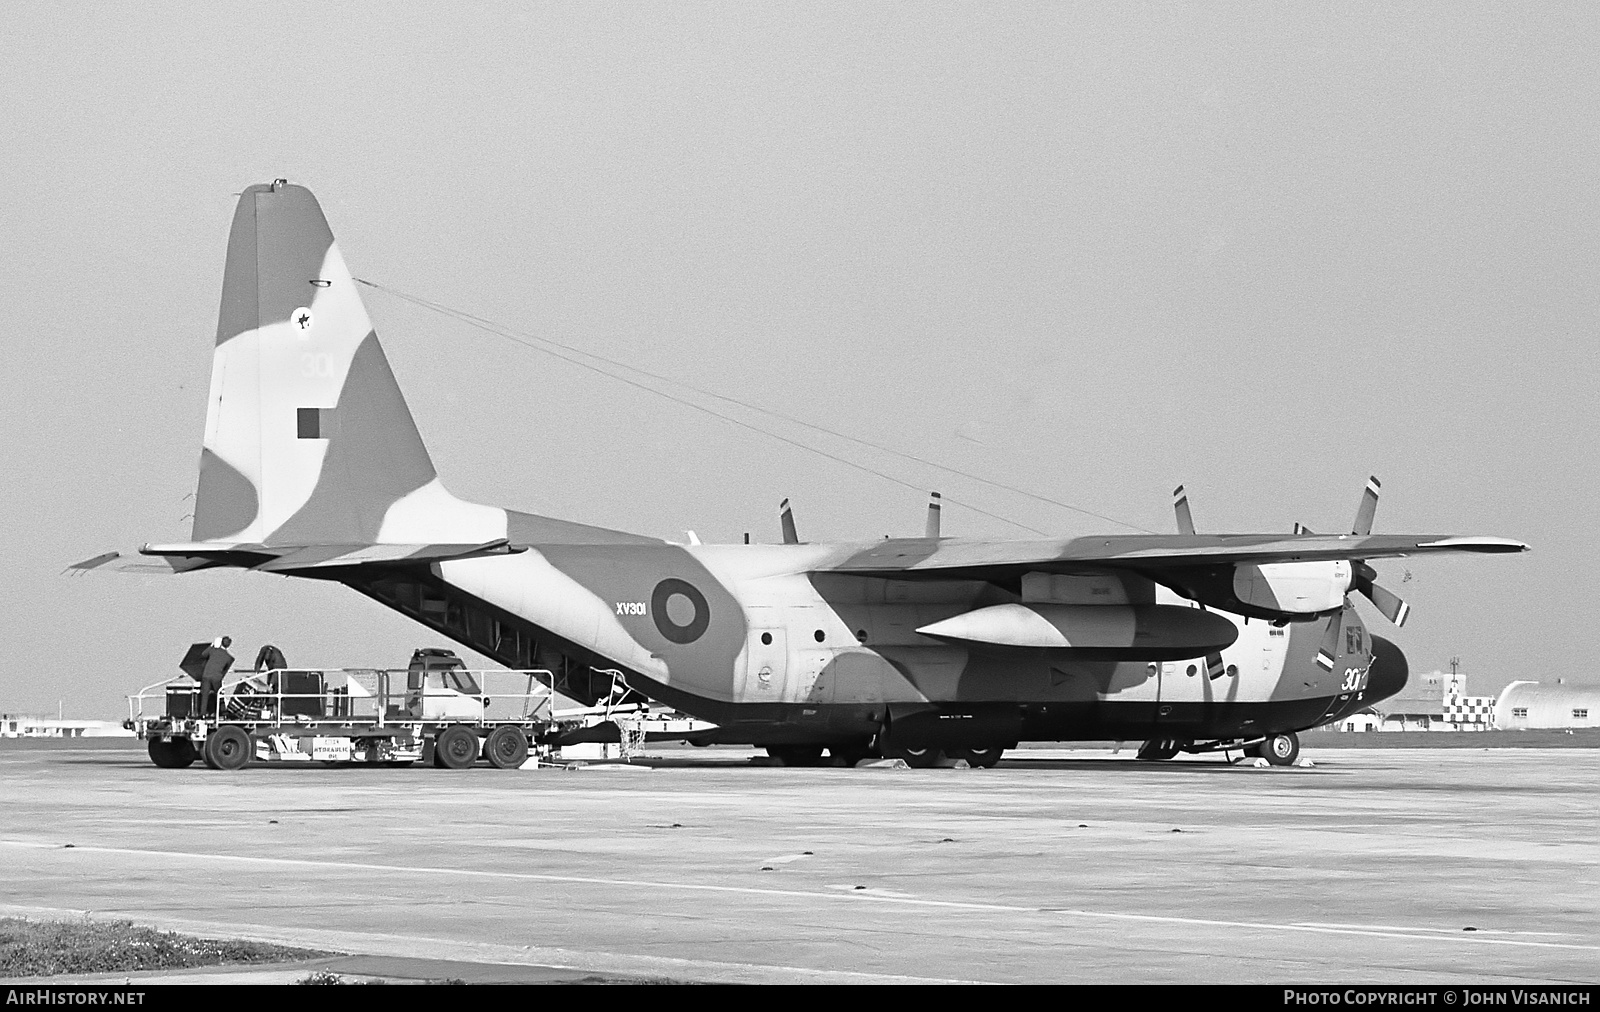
column 927, row 757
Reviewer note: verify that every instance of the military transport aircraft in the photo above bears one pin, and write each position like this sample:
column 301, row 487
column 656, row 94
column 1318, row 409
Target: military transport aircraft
column 920, row 648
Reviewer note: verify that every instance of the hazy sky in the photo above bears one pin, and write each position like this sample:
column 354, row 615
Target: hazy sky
column 1088, row 250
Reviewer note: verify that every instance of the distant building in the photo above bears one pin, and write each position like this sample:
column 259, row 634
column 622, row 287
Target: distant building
column 1366, row 720
column 22, row 725
column 1434, row 701
column 1536, row 704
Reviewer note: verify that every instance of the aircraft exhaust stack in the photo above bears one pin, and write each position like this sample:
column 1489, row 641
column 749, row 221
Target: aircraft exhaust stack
column 932, row 532
column 786, row 517
column 1180, row 506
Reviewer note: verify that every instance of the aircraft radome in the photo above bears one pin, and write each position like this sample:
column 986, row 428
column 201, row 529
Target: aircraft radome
column 906, row 647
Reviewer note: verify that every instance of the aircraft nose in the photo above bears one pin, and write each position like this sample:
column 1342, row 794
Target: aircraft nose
column 1389, row 670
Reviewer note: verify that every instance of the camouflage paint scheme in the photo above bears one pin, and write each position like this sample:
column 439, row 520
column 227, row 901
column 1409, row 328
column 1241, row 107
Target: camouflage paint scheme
column 313, row 466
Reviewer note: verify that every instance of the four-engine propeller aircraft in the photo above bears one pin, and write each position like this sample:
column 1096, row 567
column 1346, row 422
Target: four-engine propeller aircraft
column 909, row 647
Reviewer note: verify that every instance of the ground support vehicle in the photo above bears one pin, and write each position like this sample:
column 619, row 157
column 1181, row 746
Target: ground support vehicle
column 445, row 714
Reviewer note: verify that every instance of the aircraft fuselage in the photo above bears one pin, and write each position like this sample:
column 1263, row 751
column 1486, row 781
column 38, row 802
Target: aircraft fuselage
column 765, row 642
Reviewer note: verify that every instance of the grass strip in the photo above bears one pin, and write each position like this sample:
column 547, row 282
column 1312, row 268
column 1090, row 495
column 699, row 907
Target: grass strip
column 46, row 948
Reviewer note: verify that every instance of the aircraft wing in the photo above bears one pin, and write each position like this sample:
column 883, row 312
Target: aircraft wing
column 908, row 558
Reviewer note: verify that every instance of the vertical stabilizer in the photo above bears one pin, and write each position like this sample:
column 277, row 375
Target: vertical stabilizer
column 308, row 439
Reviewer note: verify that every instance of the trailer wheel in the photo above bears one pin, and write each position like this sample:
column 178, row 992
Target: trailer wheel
column 176, row 754
column 506, row 747
column 229, row 747
column 457, row 747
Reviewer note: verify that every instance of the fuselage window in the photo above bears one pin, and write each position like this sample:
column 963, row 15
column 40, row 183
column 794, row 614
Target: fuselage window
column 819, row 635
column 766, row 639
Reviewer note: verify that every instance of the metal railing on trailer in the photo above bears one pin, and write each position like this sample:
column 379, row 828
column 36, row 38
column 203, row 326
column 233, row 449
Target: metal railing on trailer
column 453, row 716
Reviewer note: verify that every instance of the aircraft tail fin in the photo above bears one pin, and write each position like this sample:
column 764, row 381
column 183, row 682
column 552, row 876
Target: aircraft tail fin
column 308, row 439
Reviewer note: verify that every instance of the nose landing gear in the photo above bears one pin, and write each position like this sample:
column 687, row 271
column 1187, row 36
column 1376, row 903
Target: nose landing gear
column 1280, row 749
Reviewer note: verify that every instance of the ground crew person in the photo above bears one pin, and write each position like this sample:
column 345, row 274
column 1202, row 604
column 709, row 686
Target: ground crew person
column 218, row 661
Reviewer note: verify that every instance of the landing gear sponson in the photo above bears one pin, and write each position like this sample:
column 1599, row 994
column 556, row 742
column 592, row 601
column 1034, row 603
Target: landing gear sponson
column 917, row 756
column 1280, row 748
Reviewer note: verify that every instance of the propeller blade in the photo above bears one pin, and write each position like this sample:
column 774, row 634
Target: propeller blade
column 1390, row 604
column 1329, row 651
column 1180, row 505
column 932, row 532
column 1214, row 666
column 1368, row 507
column 1393, row 607
column 786, row 516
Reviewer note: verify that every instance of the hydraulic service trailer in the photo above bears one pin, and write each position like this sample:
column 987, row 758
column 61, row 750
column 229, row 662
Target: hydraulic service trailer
column 450, row 716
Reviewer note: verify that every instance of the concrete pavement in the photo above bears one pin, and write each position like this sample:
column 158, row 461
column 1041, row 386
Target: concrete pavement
column 1432, row 866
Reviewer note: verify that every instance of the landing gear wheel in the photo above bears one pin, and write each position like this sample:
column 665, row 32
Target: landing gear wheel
column 1159, row 750
column 176, row 754
column 1279, row 749
column 796, row 755
column 920, row 758
column 850, row 755
column 977, row 758
column 229, row 747
column 506, row 748
column 456, row 747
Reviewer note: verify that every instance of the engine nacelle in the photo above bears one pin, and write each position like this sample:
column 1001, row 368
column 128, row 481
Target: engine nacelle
column 1292, row 588
column 1275, row 591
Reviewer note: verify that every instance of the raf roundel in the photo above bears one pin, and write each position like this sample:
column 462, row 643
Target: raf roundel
column 300, row 320
column 680, row 611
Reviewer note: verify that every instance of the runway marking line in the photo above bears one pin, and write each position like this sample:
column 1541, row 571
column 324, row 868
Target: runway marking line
column 864, row 895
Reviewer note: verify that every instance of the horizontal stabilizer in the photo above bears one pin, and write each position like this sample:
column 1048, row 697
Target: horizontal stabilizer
column 116, row 562
column 292, row 558
column 331, row 556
